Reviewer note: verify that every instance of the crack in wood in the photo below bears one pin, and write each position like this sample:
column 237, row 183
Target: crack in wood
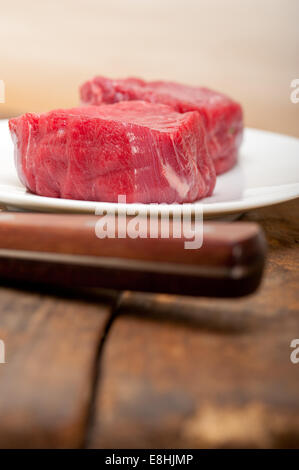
column 96, row 379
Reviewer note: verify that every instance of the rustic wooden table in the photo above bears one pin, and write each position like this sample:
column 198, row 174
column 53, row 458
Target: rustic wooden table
column 106, row 369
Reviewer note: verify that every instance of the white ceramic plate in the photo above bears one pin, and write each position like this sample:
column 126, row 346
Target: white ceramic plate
column 267, row 173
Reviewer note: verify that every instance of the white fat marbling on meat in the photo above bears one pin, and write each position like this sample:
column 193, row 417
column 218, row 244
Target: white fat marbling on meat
column 181, row 186
column 131, row 136
column 131, row 139
column 60, row 132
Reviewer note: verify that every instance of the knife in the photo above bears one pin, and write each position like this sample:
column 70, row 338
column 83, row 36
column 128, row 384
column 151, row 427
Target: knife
column 64, row 250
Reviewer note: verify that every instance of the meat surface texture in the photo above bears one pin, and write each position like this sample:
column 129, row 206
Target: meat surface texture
column 147, row 152
column 221, row 115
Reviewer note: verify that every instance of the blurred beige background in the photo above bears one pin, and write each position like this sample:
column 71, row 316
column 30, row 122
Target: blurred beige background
column 246, row 48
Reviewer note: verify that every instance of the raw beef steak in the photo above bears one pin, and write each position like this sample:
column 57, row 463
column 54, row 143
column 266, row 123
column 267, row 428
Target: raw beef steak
column 147, row 152
column 222, row 116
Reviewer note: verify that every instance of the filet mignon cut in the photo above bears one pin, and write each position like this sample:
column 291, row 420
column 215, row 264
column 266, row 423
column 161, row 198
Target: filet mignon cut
column 222, row 116
column 147, row 152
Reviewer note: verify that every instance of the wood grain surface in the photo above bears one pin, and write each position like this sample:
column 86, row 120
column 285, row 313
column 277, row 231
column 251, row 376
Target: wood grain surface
column 46, row 385
column 170, row 371
column 207, row 373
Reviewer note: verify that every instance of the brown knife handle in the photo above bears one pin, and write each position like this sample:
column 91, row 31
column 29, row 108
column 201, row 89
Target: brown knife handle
column 64, row 249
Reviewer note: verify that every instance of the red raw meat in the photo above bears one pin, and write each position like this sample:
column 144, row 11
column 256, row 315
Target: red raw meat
column 148, row 152
column 222, row 116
